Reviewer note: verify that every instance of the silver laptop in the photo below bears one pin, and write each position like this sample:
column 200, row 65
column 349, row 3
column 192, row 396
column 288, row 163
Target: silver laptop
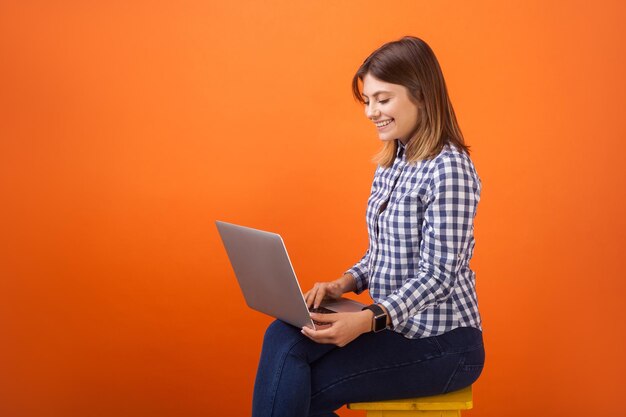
column 267, row 278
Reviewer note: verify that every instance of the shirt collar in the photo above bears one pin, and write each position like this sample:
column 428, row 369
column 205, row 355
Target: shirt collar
column 400, row 150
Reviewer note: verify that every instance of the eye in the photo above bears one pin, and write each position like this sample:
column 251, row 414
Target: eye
column 384, row 101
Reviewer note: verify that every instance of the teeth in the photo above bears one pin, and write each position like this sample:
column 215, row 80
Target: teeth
column 383, row 123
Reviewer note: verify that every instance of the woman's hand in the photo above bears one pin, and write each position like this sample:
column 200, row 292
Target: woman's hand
column 343, row 327
column 333, row 290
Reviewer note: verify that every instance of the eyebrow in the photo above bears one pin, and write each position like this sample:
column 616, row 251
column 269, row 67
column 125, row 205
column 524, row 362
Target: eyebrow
column 377, row 93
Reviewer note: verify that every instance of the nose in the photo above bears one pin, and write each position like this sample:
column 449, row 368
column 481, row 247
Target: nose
column 371, row 111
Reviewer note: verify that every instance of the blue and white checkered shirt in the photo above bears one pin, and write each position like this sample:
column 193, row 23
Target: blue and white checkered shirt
column 420, row 219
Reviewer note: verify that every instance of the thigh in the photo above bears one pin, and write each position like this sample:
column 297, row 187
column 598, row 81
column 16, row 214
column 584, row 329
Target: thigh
column 281, row 339
column 385, row 365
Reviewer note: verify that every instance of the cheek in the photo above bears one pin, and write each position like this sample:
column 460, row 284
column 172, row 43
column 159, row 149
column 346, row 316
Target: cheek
column 413, row 118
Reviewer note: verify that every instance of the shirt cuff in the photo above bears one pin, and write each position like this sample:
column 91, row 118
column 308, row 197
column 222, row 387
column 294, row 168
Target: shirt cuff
column 360, row 278
column 398, row 311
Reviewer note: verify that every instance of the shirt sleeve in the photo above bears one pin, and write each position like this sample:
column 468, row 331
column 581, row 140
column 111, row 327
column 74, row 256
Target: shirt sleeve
column 447, row 240
column 360, row 272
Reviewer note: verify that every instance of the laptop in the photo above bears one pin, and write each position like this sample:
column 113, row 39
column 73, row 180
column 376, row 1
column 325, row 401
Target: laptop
column 266, row 276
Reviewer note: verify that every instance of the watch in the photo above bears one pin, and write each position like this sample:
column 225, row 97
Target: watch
column 379, row 322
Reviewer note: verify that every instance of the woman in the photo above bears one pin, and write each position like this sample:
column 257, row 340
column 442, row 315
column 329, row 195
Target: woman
column 422, row 335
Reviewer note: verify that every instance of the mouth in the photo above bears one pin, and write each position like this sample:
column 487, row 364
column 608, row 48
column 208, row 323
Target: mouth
column 383, row 123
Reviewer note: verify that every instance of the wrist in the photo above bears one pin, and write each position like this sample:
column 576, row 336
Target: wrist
column 380, row 317
column 367, row 321
column 346, row 283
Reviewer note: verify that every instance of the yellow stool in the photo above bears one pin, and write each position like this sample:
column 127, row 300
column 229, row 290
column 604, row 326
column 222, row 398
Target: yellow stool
column 446, row 405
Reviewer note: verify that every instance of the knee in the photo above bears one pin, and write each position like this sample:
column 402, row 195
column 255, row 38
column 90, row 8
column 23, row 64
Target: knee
column 280, row 336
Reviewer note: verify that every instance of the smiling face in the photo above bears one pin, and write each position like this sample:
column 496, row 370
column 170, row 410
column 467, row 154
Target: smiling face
column 391, row 107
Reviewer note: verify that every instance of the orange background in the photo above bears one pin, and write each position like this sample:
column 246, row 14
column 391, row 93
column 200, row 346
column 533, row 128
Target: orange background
column 127, row 128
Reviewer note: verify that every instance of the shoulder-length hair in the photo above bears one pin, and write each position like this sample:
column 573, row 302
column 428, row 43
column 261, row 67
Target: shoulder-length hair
column 411, row 63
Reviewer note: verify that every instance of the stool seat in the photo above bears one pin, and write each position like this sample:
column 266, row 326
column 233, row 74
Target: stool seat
column 449, row 404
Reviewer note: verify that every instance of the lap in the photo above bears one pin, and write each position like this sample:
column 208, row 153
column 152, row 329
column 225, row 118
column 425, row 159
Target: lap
column 380, row 366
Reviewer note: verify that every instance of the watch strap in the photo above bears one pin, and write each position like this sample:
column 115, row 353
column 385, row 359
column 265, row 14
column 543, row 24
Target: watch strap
column 379, row 321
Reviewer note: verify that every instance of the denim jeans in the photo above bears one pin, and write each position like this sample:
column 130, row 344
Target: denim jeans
column 300, row 378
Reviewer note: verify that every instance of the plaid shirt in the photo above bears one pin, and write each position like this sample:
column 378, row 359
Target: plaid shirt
column 420, row 219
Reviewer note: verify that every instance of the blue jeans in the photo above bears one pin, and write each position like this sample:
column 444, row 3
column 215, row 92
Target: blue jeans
column 298, row 377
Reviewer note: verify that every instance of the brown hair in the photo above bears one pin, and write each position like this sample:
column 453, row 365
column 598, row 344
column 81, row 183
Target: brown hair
column 411, row 63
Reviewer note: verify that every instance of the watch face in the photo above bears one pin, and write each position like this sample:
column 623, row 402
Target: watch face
column 380, row 323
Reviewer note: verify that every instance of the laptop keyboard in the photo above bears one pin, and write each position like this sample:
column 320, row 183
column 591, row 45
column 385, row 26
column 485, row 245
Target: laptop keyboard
column 320, row 310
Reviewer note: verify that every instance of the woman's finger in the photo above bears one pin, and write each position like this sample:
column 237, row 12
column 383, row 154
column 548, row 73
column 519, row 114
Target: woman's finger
column 326, row 318
column 319, row 297
column 318, row 336
column 310, row 295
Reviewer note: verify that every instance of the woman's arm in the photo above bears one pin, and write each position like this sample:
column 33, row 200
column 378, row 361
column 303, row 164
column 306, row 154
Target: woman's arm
column 354, row 279
column 333, row 289
column 360, row 273
column 343, row 327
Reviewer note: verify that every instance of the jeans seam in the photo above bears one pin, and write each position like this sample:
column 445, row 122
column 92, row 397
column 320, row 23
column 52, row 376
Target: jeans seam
column 279, row 371
column 438, row 345
column 456, row 370
column 464, row 349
